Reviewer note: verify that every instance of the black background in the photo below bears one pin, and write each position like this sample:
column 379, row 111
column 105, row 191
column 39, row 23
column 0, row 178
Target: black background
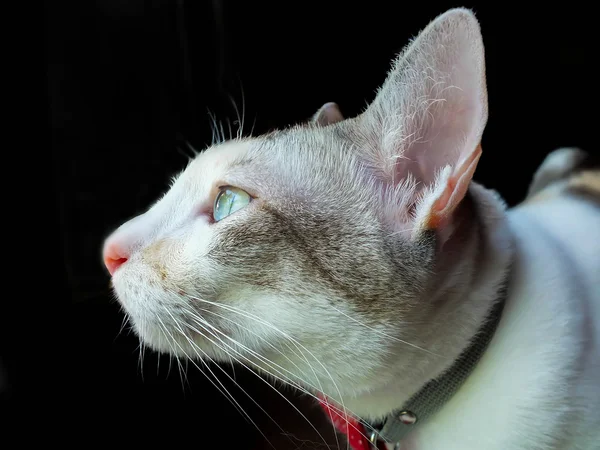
column 130, row 82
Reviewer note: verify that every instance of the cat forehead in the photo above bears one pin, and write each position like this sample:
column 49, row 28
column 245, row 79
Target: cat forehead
column 223, row 159
column 215, row 161
column 289, row 153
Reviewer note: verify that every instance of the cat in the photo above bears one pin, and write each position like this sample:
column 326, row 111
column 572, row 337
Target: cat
column 357, row 260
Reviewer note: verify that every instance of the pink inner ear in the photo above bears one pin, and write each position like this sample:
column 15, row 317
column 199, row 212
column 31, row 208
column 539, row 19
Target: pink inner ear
column 442, row 147
column 453, row 192
column 328, row 113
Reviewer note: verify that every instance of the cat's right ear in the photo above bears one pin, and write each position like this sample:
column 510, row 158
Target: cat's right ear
column 422, row 133
column 326, row 115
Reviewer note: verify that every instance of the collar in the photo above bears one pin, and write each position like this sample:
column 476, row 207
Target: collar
column 426, row 402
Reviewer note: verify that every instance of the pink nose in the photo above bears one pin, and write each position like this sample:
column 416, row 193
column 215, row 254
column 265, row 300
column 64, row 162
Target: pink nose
column 114, row 257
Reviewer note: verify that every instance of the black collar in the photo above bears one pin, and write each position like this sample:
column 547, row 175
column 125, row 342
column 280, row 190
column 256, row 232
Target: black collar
column 430, row 399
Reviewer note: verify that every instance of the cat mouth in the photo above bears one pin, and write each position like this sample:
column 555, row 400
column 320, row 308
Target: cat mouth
column 171, row 321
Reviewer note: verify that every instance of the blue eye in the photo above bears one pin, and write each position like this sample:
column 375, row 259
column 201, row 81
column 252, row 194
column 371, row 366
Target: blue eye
column 228, row 201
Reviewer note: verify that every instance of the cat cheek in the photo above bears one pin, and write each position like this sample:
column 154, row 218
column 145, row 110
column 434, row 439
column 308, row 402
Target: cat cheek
column 163, row 259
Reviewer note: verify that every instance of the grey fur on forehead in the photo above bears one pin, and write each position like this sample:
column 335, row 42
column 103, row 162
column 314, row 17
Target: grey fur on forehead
column 308, row 160
column 315, row 160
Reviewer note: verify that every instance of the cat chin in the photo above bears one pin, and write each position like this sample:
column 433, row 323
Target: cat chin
column 171, row 342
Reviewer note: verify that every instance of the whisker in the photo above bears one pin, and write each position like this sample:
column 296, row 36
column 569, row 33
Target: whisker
column 184, row 154
column 163, row 330
column 307, row 441
column 179, row 367
column 215, row 129
column 195, row 346
column 222, row 131
column 266, row 360
column 125, row 321
column 228, row 394
column 186, row 372
column 241, row 129
column 384, row 334
column 170, row 361
column 255, row 374
column 240, row 120
column 281, row 332
column 298, row 345
column 123, row 324
column 252, row 351
column 142, row 348
column 230, row 132
column 192, row 149
column 283, row 380
column 182, row 374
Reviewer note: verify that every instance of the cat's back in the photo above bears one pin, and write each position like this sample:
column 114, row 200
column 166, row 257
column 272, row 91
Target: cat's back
column 558, row 252
column 554, row 305
column 568, row 226
column 563, row 207
column 563, row 210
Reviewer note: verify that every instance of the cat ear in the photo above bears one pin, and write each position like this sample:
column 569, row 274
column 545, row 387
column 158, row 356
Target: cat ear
column 326, row 115
column 424, row 128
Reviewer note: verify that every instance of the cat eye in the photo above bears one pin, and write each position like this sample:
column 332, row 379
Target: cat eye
column 228, row 201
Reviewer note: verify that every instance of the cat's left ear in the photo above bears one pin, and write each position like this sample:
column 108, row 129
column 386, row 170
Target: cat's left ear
column 423, row 130
column 327, row 114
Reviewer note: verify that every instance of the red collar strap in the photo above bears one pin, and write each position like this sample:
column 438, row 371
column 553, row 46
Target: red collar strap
column 353, row 429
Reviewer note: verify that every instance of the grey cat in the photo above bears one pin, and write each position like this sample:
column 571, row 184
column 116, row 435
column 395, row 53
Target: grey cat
column 356, row 260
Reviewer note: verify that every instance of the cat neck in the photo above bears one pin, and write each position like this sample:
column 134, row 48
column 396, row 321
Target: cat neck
column 472, row 267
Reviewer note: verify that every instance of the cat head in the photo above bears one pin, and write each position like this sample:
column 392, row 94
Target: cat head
column 303, row 250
